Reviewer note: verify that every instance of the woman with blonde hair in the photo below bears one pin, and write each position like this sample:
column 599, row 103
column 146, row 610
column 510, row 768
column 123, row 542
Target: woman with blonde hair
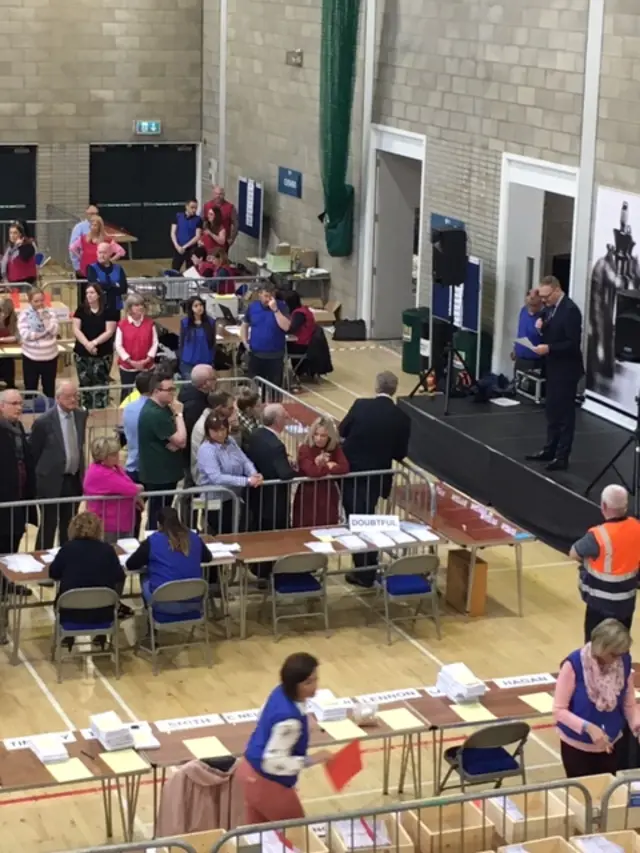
column 86, row 561
column 319, row 456
column 38, row 331
column 86, row 247
column 8, row 336
column 594, row 697
column 136, row 341
column 106, row 478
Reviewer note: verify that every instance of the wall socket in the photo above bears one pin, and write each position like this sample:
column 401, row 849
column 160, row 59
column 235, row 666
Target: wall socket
column 294, row 58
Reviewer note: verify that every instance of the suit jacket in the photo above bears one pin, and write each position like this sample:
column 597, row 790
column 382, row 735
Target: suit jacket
column 47, row 448
column 270, row 503
column 9, row 481
column 375, row 432
column 562, row 332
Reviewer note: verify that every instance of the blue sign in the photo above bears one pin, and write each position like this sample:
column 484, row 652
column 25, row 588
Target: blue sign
column 289, row 182
column 147, row 127
column 439, row 221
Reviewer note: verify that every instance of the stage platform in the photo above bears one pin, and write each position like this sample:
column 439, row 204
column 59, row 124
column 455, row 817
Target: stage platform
column 480, row 449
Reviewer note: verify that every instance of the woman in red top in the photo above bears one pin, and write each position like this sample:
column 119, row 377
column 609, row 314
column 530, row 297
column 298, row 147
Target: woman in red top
column 214, row 234
column 136, row 342
column 320, row 456
column 19, row 259
column 86, row 247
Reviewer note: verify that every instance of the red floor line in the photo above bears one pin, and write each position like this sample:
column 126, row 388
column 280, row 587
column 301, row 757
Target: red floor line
column 79, row 792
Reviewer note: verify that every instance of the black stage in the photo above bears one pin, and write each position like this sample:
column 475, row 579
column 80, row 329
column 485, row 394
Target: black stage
column 480, row 449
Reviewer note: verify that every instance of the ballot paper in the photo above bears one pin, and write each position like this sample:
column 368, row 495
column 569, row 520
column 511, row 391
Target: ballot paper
column 296, row 429
column 128, row 545
column 24, row 564
column 380, row 540
column 47, row 558
column 225, row 547
column 48, row 748
column 269, row 842
column 419, row 531
column 352, row 542
column 330, row 533
column 598, row 844
column 109, row 729
column 232, row 330
column 123, row 559
column 458, row 683
column 357, row 834
column 507, row 805
column 320, row 547
column 401, row 538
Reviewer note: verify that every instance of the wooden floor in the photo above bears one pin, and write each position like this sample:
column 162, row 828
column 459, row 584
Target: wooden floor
column 354, row 659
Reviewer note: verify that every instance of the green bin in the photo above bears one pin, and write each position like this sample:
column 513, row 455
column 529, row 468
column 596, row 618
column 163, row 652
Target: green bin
column 415, row 328
column 466, row 343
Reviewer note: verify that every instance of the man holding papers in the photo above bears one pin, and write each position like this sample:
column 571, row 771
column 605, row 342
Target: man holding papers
column 277, row 749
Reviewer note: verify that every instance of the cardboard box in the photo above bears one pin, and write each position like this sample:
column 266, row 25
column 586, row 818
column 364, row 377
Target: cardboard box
column 458, row 564
column 302, row 838
column 325, row 315
column 438, row 829
column 597, row 785
column 627, row 839
column 303, row 258
column 399, row 837
column 544, row 845
column 202, row 842
column 535, row 815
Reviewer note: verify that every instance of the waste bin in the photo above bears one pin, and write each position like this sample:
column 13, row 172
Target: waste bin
column 415, row 339
column 466, row 342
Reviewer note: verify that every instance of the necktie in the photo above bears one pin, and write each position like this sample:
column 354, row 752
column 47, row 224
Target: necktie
column 73, row 457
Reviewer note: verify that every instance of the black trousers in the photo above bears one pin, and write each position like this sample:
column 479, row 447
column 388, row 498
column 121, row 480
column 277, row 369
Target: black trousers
column 266, row 368
column 592, row 618
column 178, row 261
column 8, row 372
column 577, row 762
column 11, row 534
column 560, row 409
column 221, row 520
column 44, row 371
column 157, row 503
column 56, row 517
column 360, row 496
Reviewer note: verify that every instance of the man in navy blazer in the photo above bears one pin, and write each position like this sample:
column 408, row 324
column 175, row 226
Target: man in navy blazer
column 561, row 330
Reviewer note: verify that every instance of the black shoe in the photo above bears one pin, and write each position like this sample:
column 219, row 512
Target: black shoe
column 124, row 612
column 100, row 641
column 540, row 456
column 354, row 580
column 557, row 465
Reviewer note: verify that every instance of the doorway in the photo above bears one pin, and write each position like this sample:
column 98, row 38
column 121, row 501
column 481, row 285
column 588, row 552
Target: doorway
column 141, row 187
column 536, row 236
column 17, row 186
column 392, row 249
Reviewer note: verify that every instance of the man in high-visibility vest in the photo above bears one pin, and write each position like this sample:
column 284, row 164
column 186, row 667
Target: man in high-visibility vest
column 610, row 561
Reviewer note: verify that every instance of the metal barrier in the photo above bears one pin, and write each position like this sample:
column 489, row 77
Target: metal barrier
column 620, row 809
column 469, row 823
column 51, row 235
column 168, row 845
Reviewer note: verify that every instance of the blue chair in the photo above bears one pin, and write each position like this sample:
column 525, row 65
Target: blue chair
column 299, row 578
column 490, row 755
column 177, row 605
column 410, row 580
column 86, row 598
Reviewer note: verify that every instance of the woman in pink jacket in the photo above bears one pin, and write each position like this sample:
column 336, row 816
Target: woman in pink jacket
column 105, row 476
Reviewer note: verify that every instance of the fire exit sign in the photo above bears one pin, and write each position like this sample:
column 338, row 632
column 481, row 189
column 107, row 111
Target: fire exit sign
column 147, row 127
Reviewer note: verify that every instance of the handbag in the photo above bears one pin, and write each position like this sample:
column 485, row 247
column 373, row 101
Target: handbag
column 350, row 330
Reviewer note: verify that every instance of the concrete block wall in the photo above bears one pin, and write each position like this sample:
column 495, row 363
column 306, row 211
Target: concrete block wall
column 210, row 89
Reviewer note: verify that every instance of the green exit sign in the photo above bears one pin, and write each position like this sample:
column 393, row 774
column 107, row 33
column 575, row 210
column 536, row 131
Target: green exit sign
column 147, row 127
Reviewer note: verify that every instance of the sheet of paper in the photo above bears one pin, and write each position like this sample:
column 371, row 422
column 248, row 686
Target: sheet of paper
column 420, row 531
column 69, row 771
column 221, row 555
column 47, row 558
column 123, row 559
column 124, row 761
column 505, row 402
column 320, row 547
column 343, row 729
column 206, row 747
column 128, row 545
column 473, row 712
column 223, row 546
column 541, row 702
column 402, row 538
column 400, row 719
column 525, row 342
column 330, row 532
column 352, row 543
column 380, row 540
column 508, row 806
column 23, row 563
column 233, row 330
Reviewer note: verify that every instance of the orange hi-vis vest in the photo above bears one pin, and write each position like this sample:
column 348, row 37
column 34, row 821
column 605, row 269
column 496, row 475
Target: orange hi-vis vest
column 610, row 580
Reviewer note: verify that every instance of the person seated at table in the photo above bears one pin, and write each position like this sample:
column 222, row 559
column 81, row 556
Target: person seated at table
column 594, row 697
column 86, row 561
column 249, row 409
column 224, row 405
column 172, row 553
column 221, row 462
column 106, row 477
column 197, row 337
column 214, row 234
column 319, row 456
column 200, row 267
column 8, row 336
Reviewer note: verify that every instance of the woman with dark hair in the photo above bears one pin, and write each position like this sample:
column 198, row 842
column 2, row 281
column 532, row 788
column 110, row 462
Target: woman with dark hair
column 214, row 234
column 19, row 259
column 278, row 748
column 94, row 327
column 197, row 337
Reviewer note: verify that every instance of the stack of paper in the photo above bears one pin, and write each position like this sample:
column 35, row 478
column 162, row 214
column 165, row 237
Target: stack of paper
column 459, row 684
column 112, row 733
column 507, row 805
column 128, row 545
column 326, row 708
column 25, row 564
column 357, row 834
column 268, row 842
column 48, row 748
column 598, row 844
column 327, row 533
column 419, row 531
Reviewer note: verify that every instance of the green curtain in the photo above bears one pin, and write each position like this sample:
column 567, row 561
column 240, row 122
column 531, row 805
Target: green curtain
column 337, row 79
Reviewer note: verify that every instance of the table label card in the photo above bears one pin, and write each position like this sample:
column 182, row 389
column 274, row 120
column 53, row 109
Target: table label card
column 433, row 692
column 524, row 680
column 389, row 696
column 12, row 743
column 540, row 702
column 206, row 747
column 236, row 717
column 71, row 770
column 373, row 523
column 180, row 724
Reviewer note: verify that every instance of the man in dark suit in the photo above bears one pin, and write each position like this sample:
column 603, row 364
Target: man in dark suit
column 57, row 447
column 561, row 329
column 375, row 432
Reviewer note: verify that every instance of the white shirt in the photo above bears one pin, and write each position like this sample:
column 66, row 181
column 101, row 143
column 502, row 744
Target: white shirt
column 276, row 758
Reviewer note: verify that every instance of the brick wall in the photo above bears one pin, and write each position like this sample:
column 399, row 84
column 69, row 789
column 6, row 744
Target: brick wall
column 210, row 88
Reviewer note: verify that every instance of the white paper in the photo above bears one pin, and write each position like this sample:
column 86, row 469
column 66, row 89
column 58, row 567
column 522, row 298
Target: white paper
column 233, row 330
column 23, row 563
column 505, row 402
column 356, row 834
column 389, row 696
column 380, row 540
column 361, row 523
column 47, row 558
column 53, row 551
column 525, row 342
column 320, row 547
column 330, row 533
column 525, row 680
column 221, row 555
column 269, row 842
column 420, row 531
column 179, row 724
column 123, row 559
column 402, row 538
column 12, row 743
column 236, row 717
column 223, row 546
column 599, row 844
column 128, row 545
column 352, row 543
column 296, row 429
column 508, row 806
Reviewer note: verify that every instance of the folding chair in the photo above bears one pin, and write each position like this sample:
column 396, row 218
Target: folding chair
column 410, row 580
column 484, row 757
column 299, row 577
column 87, row 598
column 177, row 604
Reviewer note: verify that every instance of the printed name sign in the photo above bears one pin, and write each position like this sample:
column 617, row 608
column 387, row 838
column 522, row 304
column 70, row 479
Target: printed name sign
column 235, row 717
column 181, row 723
column 525, row 680
column 12, row 743
column 389, row 696
column 370, row 523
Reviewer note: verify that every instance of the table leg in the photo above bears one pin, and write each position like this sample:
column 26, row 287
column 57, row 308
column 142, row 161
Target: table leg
column 386, row 762
column 404, row 760
column 244, row 594
column 133, row 794
column 472, row 574
column 108, row 808
column 158, row 785
column 121, row 803
column 4, row 611
column 519, row 576
column 18, row 603
column 414, row 774
column 419, row 788
column 440, row 754
column 434, row 749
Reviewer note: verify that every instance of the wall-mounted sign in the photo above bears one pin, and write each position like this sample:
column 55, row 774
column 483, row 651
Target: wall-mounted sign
column 147, row 127
column 289, row 182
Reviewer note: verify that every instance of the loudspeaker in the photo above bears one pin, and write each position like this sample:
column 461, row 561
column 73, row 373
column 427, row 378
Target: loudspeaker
column 627, row 329
column 449, row 256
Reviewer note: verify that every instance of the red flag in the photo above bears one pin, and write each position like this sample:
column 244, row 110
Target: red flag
column 344, row 765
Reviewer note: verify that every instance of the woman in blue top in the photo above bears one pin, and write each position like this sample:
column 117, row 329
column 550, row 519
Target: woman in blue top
column 197, row 337
column 277, row 749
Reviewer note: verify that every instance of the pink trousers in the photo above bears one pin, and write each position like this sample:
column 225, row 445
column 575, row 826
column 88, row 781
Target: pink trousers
column 266, row 801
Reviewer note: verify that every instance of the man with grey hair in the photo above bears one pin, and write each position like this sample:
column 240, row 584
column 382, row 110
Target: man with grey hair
column 57, row 444
column 193, row 397
column 610, row 560
column 375, row 433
